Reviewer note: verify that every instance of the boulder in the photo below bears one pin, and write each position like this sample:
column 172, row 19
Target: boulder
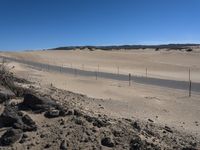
column 28, row 124
column 27, row 120
column 107, row 141
column 5, row 94
column 25, row 127
column 10, row 116
column 10, row 137
column 38, row 103
column 35, row 102
column 52, row 113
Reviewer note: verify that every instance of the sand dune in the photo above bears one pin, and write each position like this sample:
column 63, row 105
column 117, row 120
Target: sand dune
column 162, row 64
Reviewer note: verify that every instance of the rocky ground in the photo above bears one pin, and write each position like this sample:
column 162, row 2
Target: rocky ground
column 35, row 117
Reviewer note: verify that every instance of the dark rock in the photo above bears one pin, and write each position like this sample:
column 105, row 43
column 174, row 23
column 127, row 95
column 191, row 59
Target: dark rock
column 168, row 129
column 164, row 131
column 70, row 112
column 136, row 126
column 108, row 142
column 62, row 122
column 6, row 94
column 27, row 124
column 136, row 143
column 149, row 132
column 63, row 145
column 36, row 102
column 193, row 143
column 78, row 121
column 27, row 120
column 43, row 135
column 25, row 127
column 10, row 116
column 40, row 104
column 94, row 129
column 63, row 112
column 149, row 145
column 22, row 141
column 25, row 136
column 117, row 133
column 88, row 118
column 30, row 128
column 52, row 113
column 47, row 146
column 18, row 126
column 20, row 113
column 77, row 113
column 100, row 122
column 150, row 120
column 10, row 137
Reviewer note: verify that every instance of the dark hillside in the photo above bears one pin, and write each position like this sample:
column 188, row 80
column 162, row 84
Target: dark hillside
column 127, row 47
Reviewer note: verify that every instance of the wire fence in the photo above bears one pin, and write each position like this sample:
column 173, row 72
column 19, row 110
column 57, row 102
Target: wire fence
column 130, row 78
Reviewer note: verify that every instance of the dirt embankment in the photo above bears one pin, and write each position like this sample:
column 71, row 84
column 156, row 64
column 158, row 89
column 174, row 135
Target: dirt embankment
column 34, row 117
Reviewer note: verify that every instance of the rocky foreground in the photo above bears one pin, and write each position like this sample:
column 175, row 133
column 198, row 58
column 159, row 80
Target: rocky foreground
column 34, row 117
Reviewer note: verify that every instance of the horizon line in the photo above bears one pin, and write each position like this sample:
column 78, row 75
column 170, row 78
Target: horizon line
column 106, row 45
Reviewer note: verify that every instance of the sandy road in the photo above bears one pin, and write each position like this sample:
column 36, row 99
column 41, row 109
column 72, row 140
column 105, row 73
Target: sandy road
column 182, row 85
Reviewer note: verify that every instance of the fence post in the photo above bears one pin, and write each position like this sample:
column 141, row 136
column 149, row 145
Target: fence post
column 118, row 70
column 189, row 74
column 190, row 88
column 129, row 78
column 190, row 83
column 96, row 75
column 146, row 72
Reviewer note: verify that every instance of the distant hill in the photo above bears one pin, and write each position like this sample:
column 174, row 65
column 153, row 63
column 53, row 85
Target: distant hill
column 168, row 46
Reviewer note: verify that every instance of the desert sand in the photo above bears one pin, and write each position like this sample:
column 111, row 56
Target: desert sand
column 160, row 64
column 117, row 99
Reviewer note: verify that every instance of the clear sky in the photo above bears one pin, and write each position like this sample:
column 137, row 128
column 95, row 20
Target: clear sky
column 37, row 24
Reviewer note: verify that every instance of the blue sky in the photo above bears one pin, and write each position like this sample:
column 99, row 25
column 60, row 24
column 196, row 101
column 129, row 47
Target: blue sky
column 37, row 24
